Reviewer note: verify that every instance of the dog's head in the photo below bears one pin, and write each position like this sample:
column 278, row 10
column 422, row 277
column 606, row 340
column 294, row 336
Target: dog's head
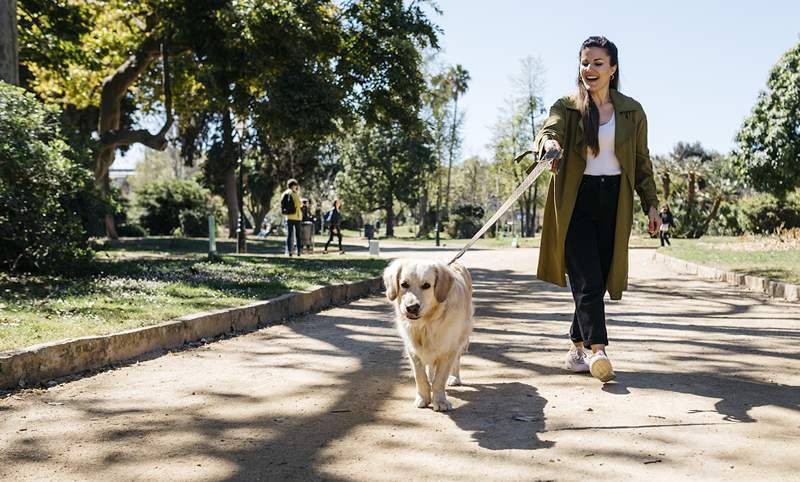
column 417, row 287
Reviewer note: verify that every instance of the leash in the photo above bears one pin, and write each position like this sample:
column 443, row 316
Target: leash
column 538, row 168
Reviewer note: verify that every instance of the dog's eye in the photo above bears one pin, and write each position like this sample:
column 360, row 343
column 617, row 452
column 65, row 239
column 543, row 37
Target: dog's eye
column 404, row 284
column 426, row 286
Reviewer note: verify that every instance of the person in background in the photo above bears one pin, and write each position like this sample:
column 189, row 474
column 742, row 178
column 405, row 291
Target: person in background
column 666, row 223
column 290, row 207
column 334, row 219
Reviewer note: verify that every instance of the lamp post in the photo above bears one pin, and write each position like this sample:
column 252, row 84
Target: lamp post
column 241, row 237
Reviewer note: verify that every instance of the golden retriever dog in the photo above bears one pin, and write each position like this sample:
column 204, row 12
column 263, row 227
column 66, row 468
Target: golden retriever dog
column 433, row 307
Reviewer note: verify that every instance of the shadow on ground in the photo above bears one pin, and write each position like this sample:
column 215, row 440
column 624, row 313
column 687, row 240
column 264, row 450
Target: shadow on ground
column 503, row 414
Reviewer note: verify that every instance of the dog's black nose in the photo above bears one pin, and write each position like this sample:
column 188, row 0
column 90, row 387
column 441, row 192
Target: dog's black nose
column 413, row 309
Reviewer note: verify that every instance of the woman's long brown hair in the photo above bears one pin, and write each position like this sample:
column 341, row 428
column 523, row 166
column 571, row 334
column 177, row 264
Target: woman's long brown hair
column 589, row 111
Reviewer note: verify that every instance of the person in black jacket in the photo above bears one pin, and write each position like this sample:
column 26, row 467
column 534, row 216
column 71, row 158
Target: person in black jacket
column 334, row 218
column 666, row 223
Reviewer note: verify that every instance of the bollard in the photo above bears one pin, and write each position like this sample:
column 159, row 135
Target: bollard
column 374, row 248
column 212, row 237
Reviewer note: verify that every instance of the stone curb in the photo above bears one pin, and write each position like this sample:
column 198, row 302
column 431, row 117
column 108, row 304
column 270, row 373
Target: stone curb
column 40, row 363
column 772, row 288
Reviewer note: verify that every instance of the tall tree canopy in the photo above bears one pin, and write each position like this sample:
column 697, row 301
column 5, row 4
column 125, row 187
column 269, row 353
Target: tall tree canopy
column 769, row 140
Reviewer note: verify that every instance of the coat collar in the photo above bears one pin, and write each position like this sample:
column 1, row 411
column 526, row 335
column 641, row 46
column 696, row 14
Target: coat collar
column 624, row 128
column 622, row 103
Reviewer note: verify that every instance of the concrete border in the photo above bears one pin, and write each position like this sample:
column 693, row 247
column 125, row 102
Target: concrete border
column 772, row 288
column 41, row 363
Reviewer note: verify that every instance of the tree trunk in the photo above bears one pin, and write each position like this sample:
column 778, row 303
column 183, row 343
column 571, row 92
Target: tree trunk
column 9, row 50
column 229, row 158
column 535, row 200
column 690, row 193
column 665, row 185
column 424, row 227
column 711, row 216
column 450, row 160
column 389, row 218
column 114, row 89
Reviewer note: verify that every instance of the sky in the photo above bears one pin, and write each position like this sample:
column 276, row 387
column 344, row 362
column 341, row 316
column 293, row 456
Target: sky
column 695, row 66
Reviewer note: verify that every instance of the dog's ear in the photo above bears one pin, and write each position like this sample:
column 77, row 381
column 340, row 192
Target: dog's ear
column 444, row 280
column 391, row 279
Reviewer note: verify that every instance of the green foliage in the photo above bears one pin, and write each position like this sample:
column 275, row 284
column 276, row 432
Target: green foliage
column 40, row 229
column 381, row 165
column 769, row 140
column 465, row 221
column 170, row 205
column 698, row 185
column 766, row 214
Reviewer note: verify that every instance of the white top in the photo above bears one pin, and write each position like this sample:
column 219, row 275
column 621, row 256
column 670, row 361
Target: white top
column 605, row 163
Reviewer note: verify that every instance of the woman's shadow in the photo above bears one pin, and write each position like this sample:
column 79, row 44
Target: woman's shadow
column 501, row 415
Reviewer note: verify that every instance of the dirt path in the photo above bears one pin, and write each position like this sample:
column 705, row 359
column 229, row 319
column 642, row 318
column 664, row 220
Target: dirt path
column 708, row 388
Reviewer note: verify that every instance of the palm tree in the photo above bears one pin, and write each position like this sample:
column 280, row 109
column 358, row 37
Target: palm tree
column 456, row 81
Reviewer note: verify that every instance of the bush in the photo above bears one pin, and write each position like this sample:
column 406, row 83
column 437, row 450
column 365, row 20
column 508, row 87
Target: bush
column 764, row 213
column 40, row 189
column 171, row 205
column 466, row 221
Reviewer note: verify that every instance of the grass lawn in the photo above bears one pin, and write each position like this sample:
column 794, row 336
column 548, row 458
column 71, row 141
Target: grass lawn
column 140, row 282
column 760, row 256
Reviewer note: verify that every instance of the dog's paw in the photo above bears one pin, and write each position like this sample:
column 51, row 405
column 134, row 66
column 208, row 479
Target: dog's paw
column 442, row 405
column 453, row 381
column 422, row 402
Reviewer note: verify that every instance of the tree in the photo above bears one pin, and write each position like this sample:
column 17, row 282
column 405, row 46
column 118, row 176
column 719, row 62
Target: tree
column 529, row 86
column 9, row 63
column 382, row 164
column 456, row 81
column 511, row 137
column 769, row 140
column 696, row 183
column 118, row 45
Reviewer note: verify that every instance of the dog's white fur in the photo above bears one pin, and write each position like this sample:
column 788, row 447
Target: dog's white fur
column 437, row 337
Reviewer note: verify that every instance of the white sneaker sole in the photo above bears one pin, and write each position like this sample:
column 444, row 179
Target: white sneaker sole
column 601, row 369
column 573, row 369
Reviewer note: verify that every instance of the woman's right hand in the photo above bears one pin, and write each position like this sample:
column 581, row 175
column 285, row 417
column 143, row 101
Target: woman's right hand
column 549, row 145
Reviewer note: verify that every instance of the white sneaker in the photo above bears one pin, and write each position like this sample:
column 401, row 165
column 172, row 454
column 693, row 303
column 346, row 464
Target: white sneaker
column 576, row 361
column 600, row 366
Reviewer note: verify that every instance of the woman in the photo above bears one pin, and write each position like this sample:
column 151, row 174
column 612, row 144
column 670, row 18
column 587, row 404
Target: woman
column 589, row 208
column 666, row 223
column 334, row 218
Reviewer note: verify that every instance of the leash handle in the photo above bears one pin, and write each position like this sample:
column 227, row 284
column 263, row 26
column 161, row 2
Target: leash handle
column 540, row 166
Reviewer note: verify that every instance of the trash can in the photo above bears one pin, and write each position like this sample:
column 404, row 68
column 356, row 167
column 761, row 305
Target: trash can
column 369, row 231
column 307, row 236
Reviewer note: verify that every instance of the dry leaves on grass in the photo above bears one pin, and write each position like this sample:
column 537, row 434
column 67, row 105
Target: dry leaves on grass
column 782, row 241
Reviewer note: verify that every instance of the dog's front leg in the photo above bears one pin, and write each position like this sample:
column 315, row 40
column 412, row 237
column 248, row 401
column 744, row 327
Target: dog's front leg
column 442, row 371
column 421, row 378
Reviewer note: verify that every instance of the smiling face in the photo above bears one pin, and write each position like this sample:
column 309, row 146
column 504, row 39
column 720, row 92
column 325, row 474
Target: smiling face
column 596, row 69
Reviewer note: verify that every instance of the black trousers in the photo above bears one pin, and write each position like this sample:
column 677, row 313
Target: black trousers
column 293, row 235
column 588, row 250
column 664, row 236
column 338, row 233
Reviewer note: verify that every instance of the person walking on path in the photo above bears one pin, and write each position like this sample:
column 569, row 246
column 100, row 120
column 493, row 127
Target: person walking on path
column 334, row 219
column 290, row 207
column 666, row 223
column 589, row 208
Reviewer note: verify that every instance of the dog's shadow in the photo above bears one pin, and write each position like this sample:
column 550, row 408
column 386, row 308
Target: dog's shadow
column 501, row 415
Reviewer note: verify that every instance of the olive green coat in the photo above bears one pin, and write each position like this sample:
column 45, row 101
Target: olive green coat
column 565, row 125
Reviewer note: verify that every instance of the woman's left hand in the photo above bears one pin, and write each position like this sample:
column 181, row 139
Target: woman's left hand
column 655, row 220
